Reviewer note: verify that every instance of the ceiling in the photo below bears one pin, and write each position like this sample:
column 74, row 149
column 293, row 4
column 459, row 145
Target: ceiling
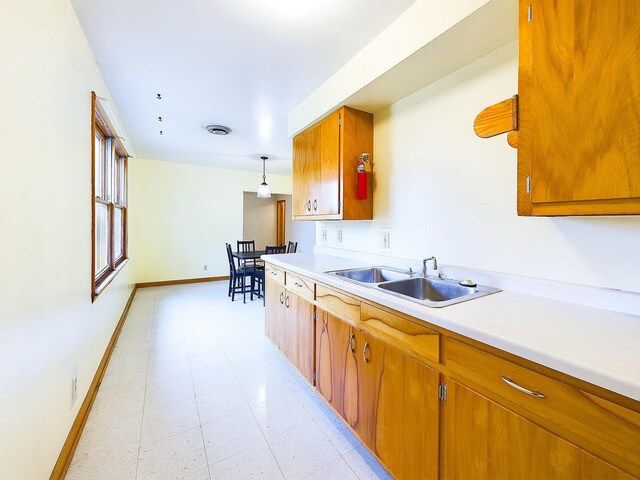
column 241, row 63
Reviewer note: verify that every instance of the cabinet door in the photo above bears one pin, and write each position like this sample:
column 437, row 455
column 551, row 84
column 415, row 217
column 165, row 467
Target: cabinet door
column 327, row 190
column 274, row 314
column 579, row 89
column 485, row 440
column 399, row 410
column 304, row 172
column 300, row 346
column 316, row 168
column 336, row 365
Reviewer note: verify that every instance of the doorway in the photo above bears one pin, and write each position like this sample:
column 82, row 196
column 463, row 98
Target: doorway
column 281, row 208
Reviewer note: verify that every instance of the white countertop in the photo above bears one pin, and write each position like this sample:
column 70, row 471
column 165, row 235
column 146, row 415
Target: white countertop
column 598, row 346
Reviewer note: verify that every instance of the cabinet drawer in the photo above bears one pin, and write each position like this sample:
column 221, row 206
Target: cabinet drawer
column 338, row 304
column 274, row 273
column 599, row 426
column 415, row 339
column 301, row 286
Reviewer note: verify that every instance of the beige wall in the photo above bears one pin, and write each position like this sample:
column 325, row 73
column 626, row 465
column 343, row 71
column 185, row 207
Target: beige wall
column 184, row 216
column 445, row 192
column 48, row 325
column 260, row 223
column 259, row 220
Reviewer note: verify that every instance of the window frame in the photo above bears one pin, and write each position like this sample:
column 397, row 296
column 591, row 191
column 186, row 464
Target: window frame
column 114, row 196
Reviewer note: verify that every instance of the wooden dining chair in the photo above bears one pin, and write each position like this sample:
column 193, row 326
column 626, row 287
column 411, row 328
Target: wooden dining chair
column 237, row 278
column 292, row 247
column 249, row 246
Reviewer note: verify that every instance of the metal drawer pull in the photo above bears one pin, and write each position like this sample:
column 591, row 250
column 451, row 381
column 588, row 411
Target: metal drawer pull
column 315, row 205
column 272, row 272
column 533, row 393
column 364, row 352
column 281, row 297
column 309, row 205
column 297, row 284
column 286, row 301
column 352, row 347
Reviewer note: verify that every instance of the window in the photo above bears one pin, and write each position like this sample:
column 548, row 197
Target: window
column 109, row 200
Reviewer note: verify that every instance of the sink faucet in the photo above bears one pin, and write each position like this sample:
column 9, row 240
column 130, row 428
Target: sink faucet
column 424, row 265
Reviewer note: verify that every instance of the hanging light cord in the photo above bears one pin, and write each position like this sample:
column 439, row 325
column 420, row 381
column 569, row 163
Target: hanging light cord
column 264, row 175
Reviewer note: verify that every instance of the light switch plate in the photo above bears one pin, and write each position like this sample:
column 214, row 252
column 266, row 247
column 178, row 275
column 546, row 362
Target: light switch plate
column 339, row 235
column 323, row 234
column 384, row 244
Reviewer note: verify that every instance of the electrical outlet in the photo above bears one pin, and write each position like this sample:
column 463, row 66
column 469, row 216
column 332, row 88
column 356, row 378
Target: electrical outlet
column 323, row 234
column 339, row 236
column 74, row 386
column 385, row 240
column 205, row 268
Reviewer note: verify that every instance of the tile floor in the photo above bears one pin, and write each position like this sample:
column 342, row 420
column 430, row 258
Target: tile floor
column 195, row 391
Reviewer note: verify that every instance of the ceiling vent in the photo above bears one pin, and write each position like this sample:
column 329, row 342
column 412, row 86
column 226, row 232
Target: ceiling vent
column 218, row 129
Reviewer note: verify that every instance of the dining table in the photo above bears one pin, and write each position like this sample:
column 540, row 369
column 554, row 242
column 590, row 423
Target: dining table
column 248, row 255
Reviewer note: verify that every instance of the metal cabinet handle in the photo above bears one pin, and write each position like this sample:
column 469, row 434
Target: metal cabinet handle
column 352, row 347
column 297, row 284
column 281, row 297
column 309, row 205
column 273, row 273
column 533, row 393
column 315, row 205
column 286, row 301
column 364, row 352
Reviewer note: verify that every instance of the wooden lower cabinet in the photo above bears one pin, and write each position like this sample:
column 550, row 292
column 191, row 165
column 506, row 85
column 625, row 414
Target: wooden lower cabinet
column 368, row 374
column 337, row 366
column 399, row 410
column 300, row 326
column 389, row 399
column 483, row 439
column 274, row 312
column 290, row 325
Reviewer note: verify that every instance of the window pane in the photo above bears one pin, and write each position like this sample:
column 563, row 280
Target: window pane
column 109, row 171
column 99, row 165
column 119, row 181
column 102, row 237
column 118, row 218
column 123, row 190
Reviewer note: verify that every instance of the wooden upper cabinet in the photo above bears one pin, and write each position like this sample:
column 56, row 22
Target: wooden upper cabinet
column 579, row 107
column 324, row 167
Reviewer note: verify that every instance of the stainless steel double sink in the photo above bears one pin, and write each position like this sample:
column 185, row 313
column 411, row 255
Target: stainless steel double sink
column 428, row 291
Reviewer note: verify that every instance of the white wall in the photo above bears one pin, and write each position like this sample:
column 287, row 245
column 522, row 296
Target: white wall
column 445, row 192
column 300, row 231
column 48, row 324
column 184, row 216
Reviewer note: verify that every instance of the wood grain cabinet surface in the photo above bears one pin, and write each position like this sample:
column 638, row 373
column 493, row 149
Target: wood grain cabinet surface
column 482, row 440
column 290, row 325
column 398, row 410
column 324, row 167
column 387, row 398
column 337, row 365
column 430, row 403
column 579, row 107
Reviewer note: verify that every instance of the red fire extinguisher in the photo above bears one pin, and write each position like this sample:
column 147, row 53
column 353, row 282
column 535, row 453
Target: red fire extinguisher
column 361, row 176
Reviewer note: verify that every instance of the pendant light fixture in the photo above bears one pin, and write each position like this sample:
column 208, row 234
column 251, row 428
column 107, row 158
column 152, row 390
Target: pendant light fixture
column 263, row 190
